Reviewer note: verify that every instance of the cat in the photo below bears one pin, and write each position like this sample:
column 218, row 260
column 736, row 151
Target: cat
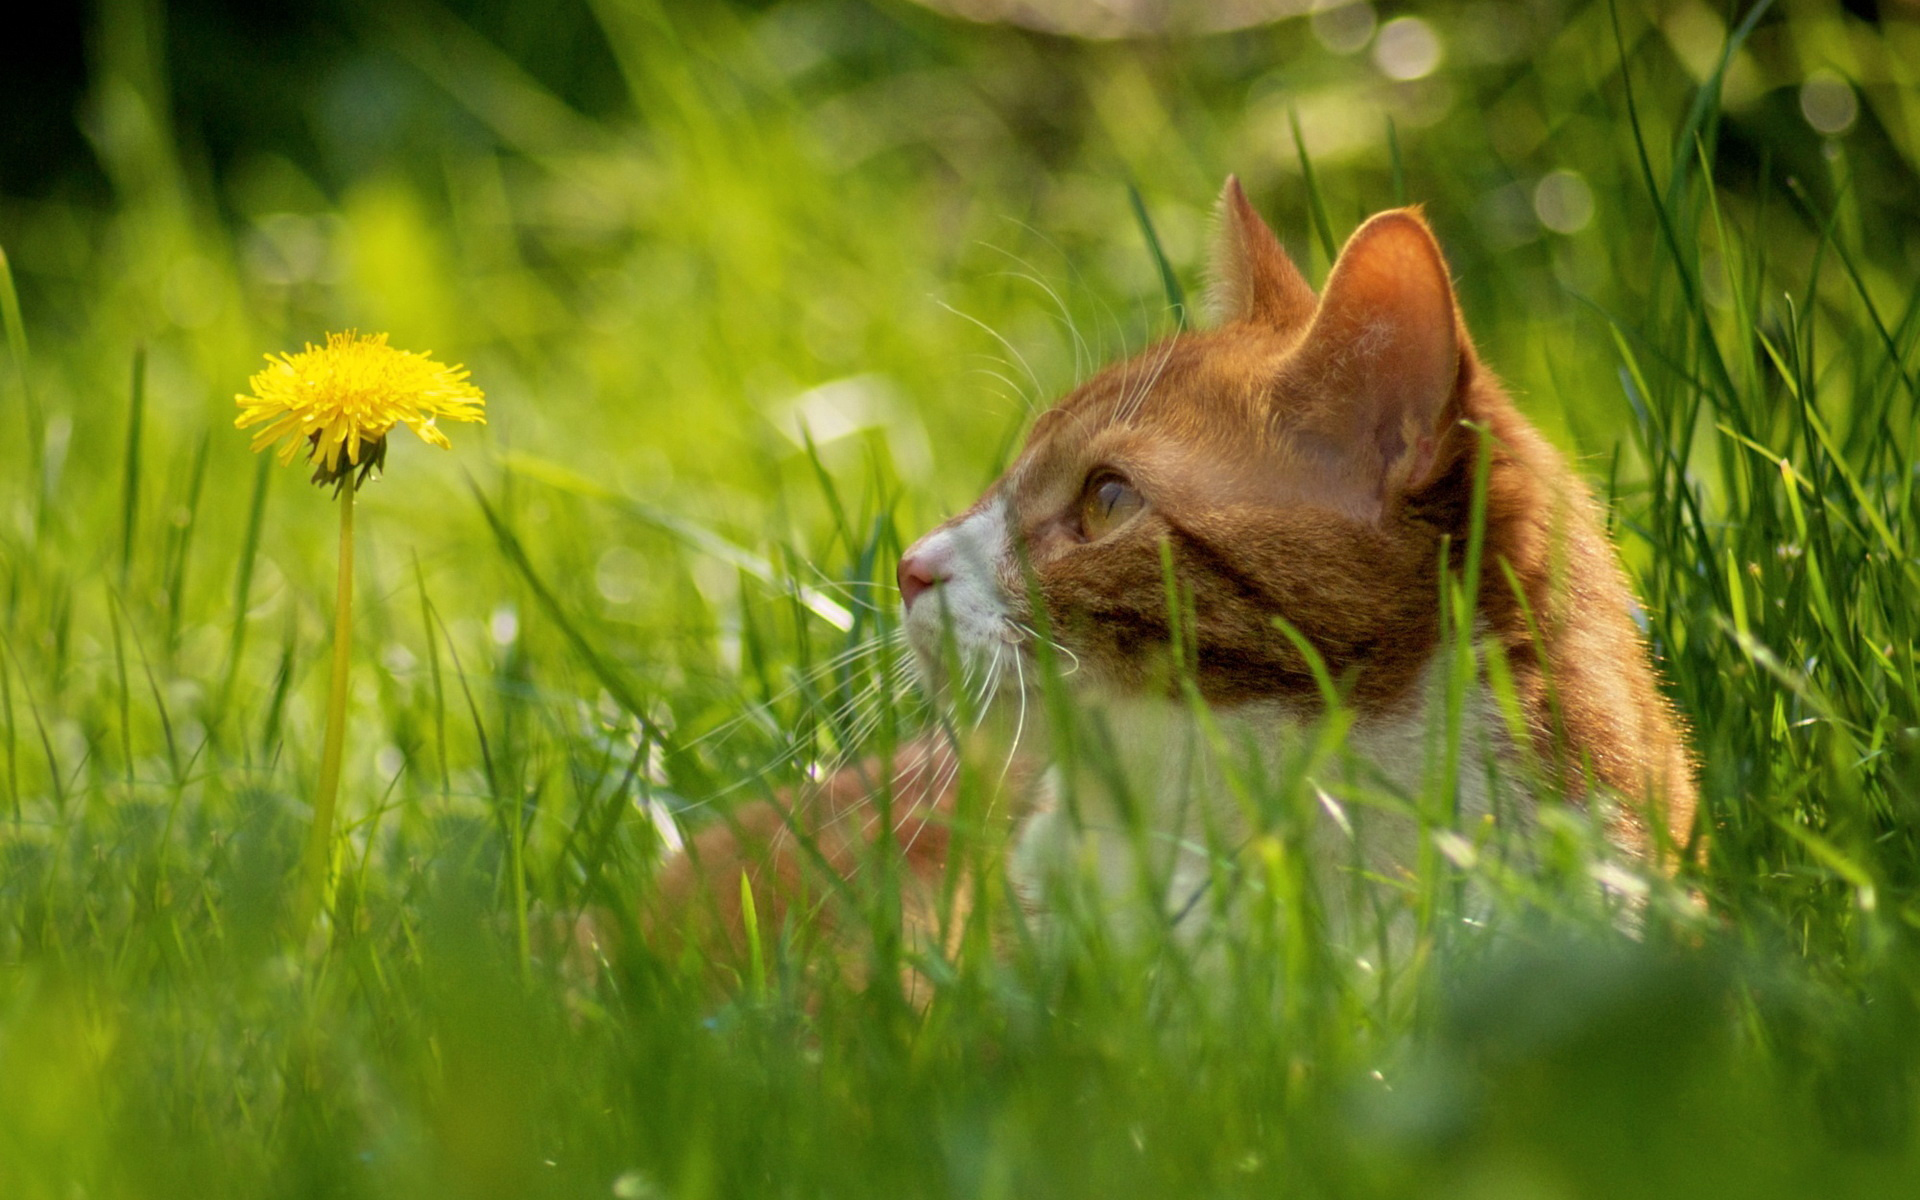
column 1305, row 462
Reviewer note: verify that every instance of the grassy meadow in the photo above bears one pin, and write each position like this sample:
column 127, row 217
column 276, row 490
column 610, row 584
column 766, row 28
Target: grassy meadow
column 757, row 293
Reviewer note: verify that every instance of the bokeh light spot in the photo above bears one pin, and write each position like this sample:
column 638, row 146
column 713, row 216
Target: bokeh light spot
column 1828, row 103
column 1407, row 48
column 504, row 625
column 1343, row 26
column 1563, row 201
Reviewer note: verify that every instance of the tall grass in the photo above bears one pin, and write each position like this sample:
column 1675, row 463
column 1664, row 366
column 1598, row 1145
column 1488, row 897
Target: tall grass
column 741, row 342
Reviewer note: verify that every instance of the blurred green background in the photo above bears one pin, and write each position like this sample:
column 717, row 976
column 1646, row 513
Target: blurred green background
column 662, row 226
column 756, row 292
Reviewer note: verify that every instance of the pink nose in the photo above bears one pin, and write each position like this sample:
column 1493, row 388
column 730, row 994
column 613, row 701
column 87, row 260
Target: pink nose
column 918, row 572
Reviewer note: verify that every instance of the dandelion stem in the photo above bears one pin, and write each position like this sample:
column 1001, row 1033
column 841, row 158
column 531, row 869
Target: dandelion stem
column 319, row 855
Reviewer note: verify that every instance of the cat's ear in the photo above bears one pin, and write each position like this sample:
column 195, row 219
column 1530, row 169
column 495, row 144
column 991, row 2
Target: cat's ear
column 1376, row 377
column 1250, row 276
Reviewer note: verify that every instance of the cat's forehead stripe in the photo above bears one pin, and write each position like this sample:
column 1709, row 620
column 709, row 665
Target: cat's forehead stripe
column 1177, row 393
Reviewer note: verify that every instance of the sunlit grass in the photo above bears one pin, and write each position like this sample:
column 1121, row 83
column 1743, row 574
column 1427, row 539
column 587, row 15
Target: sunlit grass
column 741, row 344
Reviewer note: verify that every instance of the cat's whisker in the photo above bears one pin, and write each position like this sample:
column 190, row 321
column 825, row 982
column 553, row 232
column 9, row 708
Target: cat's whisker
column 854, row 720
column 856, row 740
column 1019, row 723
column 1082, row 419
column 1083, row 356
column 1029, row 401
column 990, row 681
column 853, row 723
column 1033, row 274
column 941, row 783
column 1098, row 353
column 811, row 676
column 1132, row 399
column 847, row 753
column 1057, row 647
column 856, row 710
column 997, row 336
column 872, row 702
column 914, row 839
column 748, row 779
column 973, row 687
column 1125, row 412
column 835, row 661
column 949, row 707
column 902, row 782
column 857, row 592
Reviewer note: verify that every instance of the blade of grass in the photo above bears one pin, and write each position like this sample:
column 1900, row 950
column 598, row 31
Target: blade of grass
column 130, row 470
column 182, row 548
column 1169, row 282
column 428, row 619
column 1316, row 204
column 36, row 431
column 690, row 533
column 55, row 776
column 1399, row 168
column 610, row 676
column 243, row 580
column 13, row 740
column 282, row 684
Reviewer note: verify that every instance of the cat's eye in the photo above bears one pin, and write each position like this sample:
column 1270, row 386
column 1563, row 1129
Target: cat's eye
column 1108, row 503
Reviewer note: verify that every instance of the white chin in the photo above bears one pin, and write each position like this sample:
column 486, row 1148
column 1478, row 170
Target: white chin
column 976, row 643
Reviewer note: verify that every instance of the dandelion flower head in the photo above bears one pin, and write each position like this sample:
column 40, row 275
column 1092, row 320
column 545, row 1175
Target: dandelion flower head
column 342, row 399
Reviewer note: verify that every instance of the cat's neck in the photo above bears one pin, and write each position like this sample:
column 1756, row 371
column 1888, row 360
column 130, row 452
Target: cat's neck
column 1579, row 659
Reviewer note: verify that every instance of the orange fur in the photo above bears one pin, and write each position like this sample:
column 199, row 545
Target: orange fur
column 1308, row 458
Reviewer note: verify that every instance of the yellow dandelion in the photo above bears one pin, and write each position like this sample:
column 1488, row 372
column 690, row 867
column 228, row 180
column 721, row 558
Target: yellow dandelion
column 342, row 399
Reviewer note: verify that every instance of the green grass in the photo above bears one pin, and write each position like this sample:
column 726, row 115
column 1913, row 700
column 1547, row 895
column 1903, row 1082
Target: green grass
column 644, row 585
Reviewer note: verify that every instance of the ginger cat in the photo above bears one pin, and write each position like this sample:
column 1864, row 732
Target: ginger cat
column 1307, row 458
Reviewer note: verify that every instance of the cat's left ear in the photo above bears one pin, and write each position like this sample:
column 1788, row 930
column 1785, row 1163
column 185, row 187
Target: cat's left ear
column 1376, row 378
column 1251, row 277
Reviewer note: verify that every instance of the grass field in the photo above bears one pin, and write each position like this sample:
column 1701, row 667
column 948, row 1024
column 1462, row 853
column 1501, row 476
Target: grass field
column 758, row 293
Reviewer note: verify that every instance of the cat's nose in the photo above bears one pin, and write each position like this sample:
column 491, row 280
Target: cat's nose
column 919, row 571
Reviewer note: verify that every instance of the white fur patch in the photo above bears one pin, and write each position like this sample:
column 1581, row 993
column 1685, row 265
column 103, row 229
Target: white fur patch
column 1181, row 821
column 969, row 600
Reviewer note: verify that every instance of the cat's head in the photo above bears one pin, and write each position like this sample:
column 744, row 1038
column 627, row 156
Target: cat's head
column 1301, row 459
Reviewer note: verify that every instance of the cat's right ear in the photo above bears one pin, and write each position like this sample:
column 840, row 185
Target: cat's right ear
column 1251, row 277
column 1377, row 377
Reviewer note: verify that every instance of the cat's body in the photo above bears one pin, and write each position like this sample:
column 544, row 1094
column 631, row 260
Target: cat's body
column 1311, row 459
